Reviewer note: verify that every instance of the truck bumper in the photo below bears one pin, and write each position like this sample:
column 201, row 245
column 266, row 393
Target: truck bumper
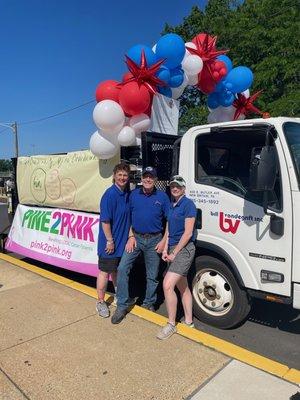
column 296, row 296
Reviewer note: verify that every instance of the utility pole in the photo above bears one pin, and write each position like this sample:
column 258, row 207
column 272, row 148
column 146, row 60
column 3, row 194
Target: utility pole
column 15, row 130
column 14, row 127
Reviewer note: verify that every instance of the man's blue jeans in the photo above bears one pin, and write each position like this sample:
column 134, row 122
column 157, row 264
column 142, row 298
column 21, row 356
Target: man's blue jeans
column 152, row 260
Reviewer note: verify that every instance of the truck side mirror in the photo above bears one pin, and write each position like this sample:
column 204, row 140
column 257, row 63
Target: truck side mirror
column 277, row 225
column 263, row 169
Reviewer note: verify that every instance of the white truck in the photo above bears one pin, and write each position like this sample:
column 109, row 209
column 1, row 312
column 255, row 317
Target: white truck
column 244, row 177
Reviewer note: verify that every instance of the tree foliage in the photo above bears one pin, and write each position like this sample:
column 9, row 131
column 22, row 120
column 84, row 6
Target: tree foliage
column 260, row 34
column 6, row 165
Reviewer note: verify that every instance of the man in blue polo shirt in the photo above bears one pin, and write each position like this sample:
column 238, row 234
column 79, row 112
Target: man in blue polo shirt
column 148, row 209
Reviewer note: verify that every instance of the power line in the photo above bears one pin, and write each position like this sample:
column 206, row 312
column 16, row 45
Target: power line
column 55, row 115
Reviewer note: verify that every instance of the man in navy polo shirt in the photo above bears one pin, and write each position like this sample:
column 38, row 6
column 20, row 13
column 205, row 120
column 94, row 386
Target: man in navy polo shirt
column 148, row 209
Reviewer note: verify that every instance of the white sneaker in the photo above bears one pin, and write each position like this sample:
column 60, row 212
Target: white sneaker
column 166, row 331
column 190, row 325
column 102, row 309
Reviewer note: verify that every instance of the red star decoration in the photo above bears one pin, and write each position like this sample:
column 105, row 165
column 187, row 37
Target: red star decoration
column 206, row 49
column 144, row 75
column 245, row 106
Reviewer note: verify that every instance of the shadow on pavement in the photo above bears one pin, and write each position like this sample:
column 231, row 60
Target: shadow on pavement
column 280, row 316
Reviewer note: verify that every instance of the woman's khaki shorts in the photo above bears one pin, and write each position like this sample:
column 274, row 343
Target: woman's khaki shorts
column 183, row 260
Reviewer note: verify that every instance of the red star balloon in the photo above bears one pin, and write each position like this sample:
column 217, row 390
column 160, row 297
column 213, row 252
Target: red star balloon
column 142, row 74
column 206, row 49
column 245, row 106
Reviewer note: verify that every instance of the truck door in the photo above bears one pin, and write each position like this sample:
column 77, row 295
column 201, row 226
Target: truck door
column 233, row 219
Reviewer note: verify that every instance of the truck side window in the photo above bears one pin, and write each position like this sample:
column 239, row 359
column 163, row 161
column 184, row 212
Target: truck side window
column 224, row 163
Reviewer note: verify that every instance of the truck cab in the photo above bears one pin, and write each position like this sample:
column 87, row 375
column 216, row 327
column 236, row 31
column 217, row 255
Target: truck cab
column 244, row 178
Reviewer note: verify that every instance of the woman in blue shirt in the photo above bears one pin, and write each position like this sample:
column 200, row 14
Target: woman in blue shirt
column 113, row 232
column 179, row 252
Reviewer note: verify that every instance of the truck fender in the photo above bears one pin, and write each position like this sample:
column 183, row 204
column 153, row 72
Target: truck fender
column 216, row 251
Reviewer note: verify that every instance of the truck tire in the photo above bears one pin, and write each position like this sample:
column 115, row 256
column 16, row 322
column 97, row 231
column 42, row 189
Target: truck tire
column 218, row 300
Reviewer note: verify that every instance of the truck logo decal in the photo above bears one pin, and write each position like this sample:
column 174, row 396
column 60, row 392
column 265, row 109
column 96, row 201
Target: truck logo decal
column 227, row 224
column 266, row 257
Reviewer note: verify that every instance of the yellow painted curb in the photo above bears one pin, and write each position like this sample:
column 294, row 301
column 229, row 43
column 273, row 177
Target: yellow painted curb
column 37, row 270
column 227, row 348
column 293, row 375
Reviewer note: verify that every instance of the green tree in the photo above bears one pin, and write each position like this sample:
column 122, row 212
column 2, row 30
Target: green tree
column 6, row 165
column 261, row 34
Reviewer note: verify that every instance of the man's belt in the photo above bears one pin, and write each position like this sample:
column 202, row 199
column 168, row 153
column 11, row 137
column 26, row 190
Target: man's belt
column 147, row 235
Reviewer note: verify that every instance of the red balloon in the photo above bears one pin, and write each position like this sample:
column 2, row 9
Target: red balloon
column 108, row 90
column 127, row 76
column 149, row 109
column 206, row 83
column 219, row 67
column 134, row 98
column 202, row 38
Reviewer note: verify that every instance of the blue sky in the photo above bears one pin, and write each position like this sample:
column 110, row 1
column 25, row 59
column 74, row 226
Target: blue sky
column 54, row 53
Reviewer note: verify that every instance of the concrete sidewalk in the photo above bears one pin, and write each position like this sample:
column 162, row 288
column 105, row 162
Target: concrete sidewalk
column 54, row 346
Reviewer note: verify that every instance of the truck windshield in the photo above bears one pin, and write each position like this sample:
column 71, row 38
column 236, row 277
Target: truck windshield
column 292, row 134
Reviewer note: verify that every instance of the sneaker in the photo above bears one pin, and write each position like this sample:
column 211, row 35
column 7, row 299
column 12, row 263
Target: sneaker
column 149, row 307
column 102, row 309
column 190, row 325
column 118, row 316
column 166, row 331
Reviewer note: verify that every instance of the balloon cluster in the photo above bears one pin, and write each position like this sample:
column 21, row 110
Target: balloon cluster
column 123, row 109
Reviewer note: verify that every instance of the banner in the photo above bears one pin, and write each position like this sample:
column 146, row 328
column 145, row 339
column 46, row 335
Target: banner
column 74, row 180
column 63, row 238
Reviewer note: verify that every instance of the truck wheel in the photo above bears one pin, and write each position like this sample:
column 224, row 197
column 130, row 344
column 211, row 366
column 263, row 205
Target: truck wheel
column 218, row 299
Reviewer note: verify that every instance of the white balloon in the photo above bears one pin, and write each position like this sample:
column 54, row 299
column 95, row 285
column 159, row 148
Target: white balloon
column 103, row 146
column 193, row 80
column 246, row 93
column 191, row 45
column 126, row 136
column 154, row 48
column 211, row 118
column 185, row 80
column 138, row 139
column 109, row 116
column 223, row 114
column 140, row 123
column 192, row 65
column 177, row 92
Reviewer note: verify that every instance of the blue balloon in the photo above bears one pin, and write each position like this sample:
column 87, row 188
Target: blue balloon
column 176, row 77
column 165, row 90
column 226, row 98
column 164, row 74
column 226, row 60
column 172, row 48
column 239, row 79
column 135, row 54
column 220, row 87
column 213, row 101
